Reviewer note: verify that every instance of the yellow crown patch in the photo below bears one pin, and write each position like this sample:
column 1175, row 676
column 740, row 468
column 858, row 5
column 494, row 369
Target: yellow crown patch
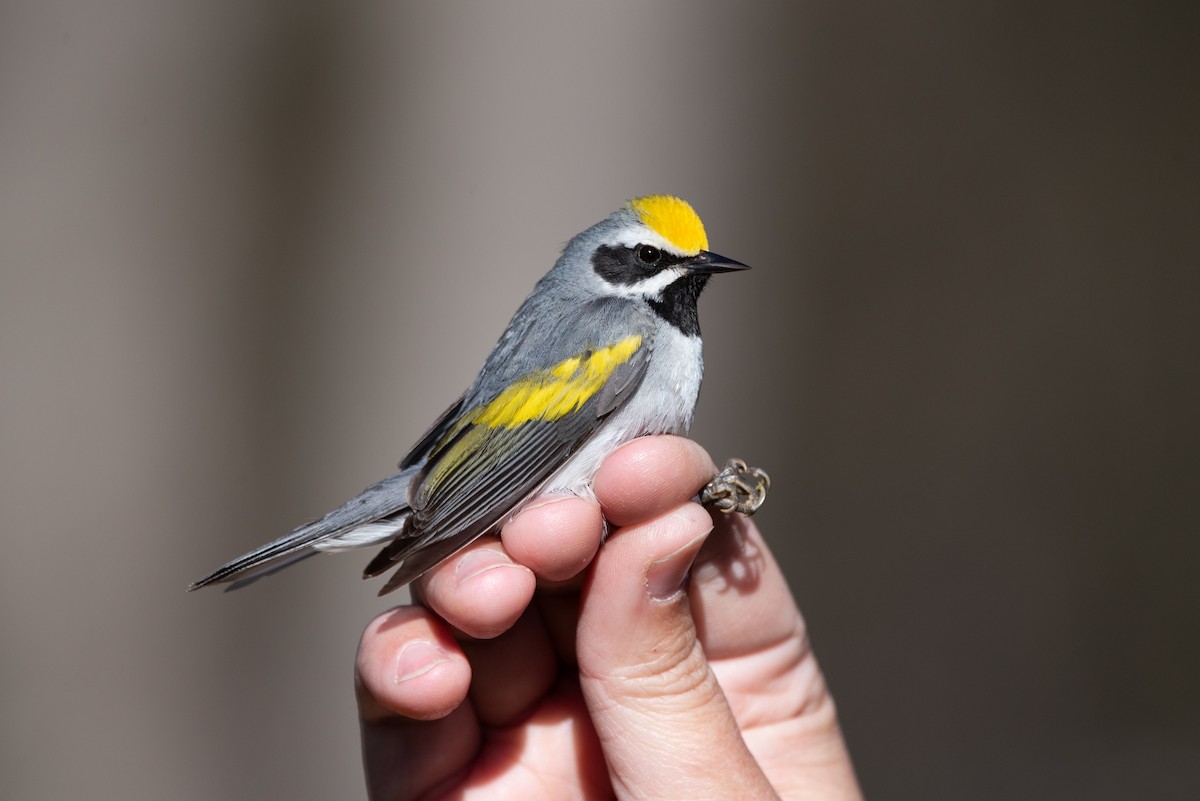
column 674, row 220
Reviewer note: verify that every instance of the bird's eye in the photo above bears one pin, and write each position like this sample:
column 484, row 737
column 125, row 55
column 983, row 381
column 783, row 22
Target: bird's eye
column 648, row 255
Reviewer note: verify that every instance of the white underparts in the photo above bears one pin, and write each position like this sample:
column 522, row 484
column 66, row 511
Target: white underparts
column 376, row 533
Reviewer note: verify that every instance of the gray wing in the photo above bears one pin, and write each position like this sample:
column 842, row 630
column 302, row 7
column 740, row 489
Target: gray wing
column 509, row 441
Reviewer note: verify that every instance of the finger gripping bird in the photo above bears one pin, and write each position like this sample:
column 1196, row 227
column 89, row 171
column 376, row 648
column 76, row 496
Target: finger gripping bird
column 605, row 349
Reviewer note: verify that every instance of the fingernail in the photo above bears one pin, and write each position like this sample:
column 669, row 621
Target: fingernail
column 547, row 500
column 480, row 561
column 416, row 659
column 665, row 578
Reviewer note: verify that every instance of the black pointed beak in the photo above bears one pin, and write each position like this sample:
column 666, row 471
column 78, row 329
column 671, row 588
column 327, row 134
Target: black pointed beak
column 707, row 263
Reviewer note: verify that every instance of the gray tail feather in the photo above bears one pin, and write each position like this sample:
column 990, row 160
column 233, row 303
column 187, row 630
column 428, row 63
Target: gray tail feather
column 388, row 497
column 245, row 579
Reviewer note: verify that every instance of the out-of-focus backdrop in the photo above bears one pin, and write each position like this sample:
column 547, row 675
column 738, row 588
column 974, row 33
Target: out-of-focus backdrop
column 248, row 250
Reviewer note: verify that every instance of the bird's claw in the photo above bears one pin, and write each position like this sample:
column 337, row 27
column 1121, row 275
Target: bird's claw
column 737, row 488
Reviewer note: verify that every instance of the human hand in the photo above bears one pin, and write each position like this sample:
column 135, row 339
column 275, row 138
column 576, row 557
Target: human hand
column 519, row 678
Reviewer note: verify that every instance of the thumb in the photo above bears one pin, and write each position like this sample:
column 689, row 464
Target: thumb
column 663, row 722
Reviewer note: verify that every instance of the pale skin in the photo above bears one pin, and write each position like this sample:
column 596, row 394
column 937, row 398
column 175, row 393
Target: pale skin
column 670, row 663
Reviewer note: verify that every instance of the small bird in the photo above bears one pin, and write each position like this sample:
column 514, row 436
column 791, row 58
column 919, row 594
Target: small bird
column 605, row 349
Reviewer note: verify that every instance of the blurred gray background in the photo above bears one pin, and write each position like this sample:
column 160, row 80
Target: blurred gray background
column 248, row 250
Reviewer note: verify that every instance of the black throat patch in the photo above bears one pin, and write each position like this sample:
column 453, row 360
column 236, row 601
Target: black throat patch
column 678, row 304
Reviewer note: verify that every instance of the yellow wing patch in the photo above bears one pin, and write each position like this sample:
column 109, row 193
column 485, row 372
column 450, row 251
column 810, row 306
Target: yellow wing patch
column 542, row 395
column 674, row 220
column 555, row 393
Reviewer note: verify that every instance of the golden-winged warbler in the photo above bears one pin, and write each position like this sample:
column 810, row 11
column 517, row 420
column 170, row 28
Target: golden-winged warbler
column 605, row 349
